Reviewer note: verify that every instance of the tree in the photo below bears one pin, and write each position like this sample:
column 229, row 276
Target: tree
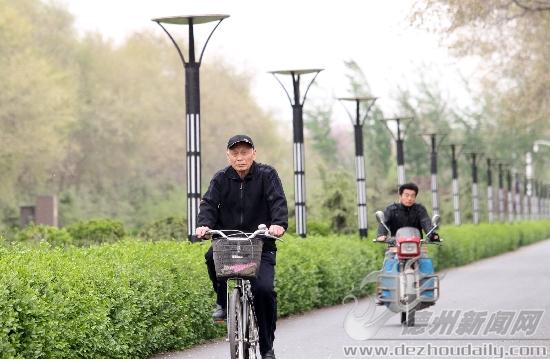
column 37, row 101
column 511, row 38
column 318, row 124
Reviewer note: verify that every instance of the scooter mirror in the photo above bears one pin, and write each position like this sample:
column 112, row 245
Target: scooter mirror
column 436, row 219
column 380, row 217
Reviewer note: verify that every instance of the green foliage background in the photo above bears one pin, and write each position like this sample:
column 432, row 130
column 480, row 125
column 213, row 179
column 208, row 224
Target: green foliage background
column 102, row 126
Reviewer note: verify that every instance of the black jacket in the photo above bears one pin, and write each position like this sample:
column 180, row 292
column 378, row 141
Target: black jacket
column 232, row 203
column 397, row 216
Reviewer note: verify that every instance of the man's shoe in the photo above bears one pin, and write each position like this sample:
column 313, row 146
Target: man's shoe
column 219, row 314
column 269, row 355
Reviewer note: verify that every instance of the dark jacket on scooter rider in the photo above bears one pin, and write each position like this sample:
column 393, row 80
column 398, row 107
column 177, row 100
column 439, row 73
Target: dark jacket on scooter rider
column 398, row 215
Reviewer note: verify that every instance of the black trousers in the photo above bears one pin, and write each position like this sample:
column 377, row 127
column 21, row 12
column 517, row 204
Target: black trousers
column 265, row 297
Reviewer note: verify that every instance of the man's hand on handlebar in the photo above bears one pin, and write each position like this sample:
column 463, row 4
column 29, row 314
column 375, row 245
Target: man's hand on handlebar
column 434, row 237
column 381, row 238
column 276, row 230
column 201, row 231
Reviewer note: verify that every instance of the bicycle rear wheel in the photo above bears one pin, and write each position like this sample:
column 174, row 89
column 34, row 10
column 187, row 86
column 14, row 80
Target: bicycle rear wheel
column 234, row 322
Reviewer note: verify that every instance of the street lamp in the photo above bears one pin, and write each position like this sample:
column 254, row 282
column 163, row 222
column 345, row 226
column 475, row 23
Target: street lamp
column 510, row 202
column 490, row 201
column 456, row 189
column 500, row 192
column 192, row 104
column 529, row 183
column 543, row 207
column 358, row 120
column 475, row 191
column 517, row 194
column 539, row 143
column 297, row 103
column 399, row 138
column 525, row 212
column 536, row 194
column 433, row 169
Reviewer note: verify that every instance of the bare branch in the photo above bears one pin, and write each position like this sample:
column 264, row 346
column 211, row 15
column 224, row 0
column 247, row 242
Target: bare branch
column 532, row 6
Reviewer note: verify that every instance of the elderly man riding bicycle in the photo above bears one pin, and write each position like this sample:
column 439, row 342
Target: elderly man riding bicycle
column 241, row 197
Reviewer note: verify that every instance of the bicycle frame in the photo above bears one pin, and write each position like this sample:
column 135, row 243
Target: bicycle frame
column 242, row 335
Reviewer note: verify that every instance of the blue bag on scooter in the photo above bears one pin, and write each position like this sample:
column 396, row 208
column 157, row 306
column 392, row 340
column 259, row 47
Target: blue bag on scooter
column 425, row 267
column 389, row 281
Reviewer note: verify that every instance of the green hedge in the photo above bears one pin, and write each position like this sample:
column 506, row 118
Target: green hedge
column 128, row 299
column 468, row 243
column 171, row 228
column 96, row 231
column 81, row 234
column 38, row 234
column 134, row 298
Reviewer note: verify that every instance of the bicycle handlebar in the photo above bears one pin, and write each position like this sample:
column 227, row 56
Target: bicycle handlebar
column 261, row 231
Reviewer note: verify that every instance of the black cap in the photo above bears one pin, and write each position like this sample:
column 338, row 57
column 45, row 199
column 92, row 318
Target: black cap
column 238, row 139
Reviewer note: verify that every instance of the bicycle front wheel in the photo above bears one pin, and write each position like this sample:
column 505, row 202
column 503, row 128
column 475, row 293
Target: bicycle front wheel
column 234, row 323
column 251, row 334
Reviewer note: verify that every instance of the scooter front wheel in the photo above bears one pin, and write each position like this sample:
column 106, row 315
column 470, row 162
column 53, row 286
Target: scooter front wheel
column 408, row 319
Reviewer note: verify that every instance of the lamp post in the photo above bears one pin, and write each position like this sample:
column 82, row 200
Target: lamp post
column 192, row 103
column 517, row 192
column 399, row 138
column 297, row 103
column 358, row 120
column 433, row 169
column 456, row 189
column 525, row 200
column 536, row 192
column 544, row 187
column 490, row 201
column 545, row 201
column 475, row 191
column 529, row 183
column 509, row 201
column 500, row 193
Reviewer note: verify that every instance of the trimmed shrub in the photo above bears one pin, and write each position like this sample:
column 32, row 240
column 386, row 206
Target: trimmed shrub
column 96, row 231
column 320, row 271
column 468, row 243
column 318, row 228
column 36, row 234
column 171, row 228
column 128, row 299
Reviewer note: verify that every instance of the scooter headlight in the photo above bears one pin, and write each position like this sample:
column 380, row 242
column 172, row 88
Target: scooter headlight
column 409, row 248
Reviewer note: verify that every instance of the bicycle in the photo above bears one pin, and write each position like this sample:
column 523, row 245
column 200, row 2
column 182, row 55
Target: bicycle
column 238, row 257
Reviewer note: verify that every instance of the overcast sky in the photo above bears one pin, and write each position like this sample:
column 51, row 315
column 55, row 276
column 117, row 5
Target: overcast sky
column 260, row 36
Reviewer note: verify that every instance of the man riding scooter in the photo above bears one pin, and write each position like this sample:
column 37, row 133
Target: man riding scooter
column 406, row 213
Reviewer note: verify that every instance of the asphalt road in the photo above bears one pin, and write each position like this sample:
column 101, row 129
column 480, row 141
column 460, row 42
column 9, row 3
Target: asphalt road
column 487, row 309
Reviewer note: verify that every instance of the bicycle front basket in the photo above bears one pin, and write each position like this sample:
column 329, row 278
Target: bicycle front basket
column 237, row 258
